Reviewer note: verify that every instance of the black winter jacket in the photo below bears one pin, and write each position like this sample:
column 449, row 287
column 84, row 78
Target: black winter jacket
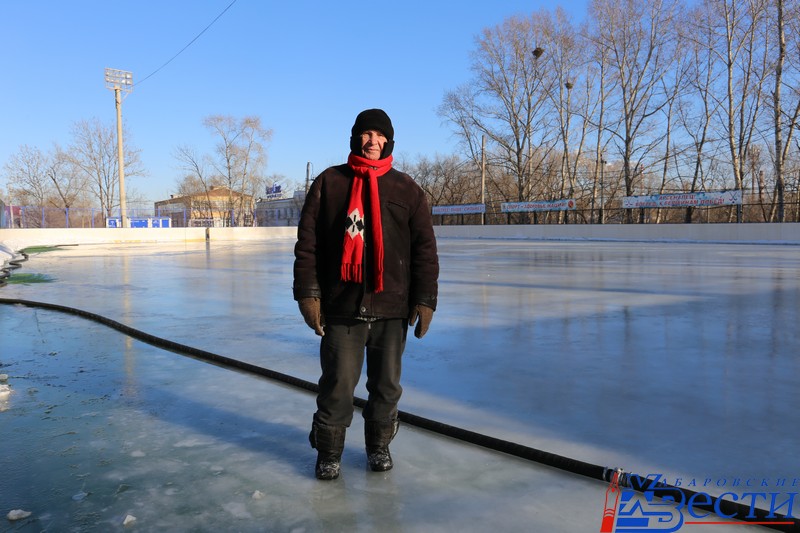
column 411, row 264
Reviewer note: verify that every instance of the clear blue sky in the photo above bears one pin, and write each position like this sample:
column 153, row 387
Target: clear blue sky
column 306, row 68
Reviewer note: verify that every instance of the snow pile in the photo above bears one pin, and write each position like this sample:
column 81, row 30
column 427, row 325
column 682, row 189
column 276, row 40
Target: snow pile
column 6, row 253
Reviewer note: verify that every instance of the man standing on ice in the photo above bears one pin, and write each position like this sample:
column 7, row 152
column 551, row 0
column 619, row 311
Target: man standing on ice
column 365, row 268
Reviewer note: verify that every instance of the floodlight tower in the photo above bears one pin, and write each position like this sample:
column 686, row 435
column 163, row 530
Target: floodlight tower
column 120, row 80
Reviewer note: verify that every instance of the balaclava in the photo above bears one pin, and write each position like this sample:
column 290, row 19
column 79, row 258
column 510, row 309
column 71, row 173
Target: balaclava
column 372, row 119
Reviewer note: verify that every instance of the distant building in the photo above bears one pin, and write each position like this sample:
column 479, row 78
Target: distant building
column 277, row 210
column 216, row 207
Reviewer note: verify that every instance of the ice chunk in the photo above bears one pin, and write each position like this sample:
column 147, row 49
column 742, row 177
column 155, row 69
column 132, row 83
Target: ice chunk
column 18, row 514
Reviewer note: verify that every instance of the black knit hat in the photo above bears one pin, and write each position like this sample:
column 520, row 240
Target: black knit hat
column 372, row 119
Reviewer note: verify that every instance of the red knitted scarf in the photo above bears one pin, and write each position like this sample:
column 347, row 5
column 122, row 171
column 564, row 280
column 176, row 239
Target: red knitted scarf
column 366, row 170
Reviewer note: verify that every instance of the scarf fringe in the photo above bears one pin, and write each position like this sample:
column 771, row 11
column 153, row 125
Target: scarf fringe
column 351, row 272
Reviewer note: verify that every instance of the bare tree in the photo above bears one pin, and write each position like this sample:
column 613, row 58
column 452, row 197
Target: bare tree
column 638, row 37
column 595, row 113
column 240, row 157
column 68, row 183
column 26, row 173
column 784, row 123
column 569, row 66
column 671, row 97
column 700, row 104
column 446, row 180
column 94, row 153
column 792, row 87
column 672, row 87
column 196, row 181
column 506, row 100
column 743, row 53
column 237, row 162
column 47, row 180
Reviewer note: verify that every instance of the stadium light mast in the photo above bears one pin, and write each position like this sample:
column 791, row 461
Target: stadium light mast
column 120, row 80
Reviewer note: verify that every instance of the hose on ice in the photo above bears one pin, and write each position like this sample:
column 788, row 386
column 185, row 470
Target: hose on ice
column 10, row 265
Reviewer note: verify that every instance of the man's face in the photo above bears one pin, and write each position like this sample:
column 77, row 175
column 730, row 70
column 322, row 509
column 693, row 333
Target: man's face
column 372, row 142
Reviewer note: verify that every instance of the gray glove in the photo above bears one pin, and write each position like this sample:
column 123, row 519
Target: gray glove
column 425, row 315
column 311, row 309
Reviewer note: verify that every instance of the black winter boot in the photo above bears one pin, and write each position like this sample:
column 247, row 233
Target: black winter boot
column 329, row 443
column 378, row 435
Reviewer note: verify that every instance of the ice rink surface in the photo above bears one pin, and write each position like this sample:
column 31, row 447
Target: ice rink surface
column 678, row 359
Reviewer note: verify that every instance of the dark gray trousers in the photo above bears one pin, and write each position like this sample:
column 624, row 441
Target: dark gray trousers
column 342, row 352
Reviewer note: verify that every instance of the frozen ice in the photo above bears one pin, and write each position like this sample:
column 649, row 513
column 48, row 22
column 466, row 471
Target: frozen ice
column 672, row 358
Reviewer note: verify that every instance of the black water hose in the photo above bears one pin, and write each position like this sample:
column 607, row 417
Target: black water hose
column 699, row 501
column 12, row 264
